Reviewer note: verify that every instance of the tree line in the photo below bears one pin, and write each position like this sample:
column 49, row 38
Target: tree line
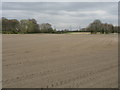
column 103, row 28
column 24, row 26
column 14, row 26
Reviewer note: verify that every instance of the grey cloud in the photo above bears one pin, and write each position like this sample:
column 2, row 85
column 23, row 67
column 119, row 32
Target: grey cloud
column 63, row 13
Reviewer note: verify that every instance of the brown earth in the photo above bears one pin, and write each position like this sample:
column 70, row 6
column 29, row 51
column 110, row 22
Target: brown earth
column 60, row 61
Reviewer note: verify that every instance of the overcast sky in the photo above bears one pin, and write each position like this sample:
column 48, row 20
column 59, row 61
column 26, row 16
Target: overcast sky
column 69, row 15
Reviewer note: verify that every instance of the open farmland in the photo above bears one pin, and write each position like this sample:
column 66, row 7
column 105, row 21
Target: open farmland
column 60, row 61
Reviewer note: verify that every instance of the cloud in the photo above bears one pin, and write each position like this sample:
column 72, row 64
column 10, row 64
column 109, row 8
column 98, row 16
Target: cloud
column 63, row 14
column 61, row 1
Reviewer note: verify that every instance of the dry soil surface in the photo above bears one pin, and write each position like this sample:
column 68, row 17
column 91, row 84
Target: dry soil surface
column 60, row 61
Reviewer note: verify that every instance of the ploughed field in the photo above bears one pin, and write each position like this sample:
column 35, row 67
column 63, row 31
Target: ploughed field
column 60, row 61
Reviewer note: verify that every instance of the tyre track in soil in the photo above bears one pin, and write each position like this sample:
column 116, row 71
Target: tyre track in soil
column 49, row 72
column 67, row 70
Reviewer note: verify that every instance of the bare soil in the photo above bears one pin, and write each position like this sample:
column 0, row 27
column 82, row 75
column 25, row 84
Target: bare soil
column 60, row 61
